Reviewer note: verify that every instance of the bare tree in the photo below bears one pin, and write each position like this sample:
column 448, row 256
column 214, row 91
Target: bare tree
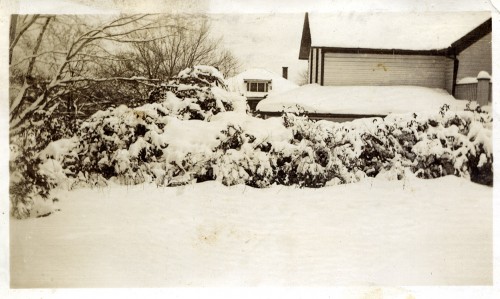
column 46, row 70
column 186, row 42
column 304, row 77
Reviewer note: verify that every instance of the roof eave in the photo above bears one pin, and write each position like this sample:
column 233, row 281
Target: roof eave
column 431, row 52
column 473, row 36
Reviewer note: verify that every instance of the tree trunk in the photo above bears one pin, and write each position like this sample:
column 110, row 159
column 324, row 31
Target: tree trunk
column 13, row 28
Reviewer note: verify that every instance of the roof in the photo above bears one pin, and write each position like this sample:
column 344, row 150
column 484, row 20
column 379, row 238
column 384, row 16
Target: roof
column 361, row 100
column 418, row 31
column 279, row 84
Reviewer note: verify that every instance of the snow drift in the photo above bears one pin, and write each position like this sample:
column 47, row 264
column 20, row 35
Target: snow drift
column 374, row 100
column 380, row 232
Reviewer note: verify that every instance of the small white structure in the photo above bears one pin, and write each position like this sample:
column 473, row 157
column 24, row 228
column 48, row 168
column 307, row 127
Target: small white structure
column 257, row 83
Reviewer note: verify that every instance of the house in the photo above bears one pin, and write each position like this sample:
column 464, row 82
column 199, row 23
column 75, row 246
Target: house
column 257, row 83
column 421, row 49
column 367, row 65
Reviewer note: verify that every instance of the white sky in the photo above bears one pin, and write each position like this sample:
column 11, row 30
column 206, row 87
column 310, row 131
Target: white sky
column 268, row 41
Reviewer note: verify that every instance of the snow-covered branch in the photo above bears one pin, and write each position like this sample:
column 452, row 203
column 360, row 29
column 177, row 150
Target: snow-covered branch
column 80, row 79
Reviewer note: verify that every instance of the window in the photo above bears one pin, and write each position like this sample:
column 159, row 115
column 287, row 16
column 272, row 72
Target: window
column 258, row 86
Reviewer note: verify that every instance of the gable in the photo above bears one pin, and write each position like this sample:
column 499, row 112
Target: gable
column 475, row 58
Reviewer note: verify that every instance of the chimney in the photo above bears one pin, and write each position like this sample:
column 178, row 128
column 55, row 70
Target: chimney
column 285, row 72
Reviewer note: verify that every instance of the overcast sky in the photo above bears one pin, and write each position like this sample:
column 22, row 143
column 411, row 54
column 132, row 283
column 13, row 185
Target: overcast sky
column 268, row 41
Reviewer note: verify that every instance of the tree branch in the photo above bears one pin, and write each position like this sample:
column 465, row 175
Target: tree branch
column 37, row 46
column 15, row 40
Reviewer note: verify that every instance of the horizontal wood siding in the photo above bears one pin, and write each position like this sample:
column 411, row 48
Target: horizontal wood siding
column 385, row 69
column 475, row 58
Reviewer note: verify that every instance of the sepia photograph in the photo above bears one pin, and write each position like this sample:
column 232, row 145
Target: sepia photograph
column 209, row 148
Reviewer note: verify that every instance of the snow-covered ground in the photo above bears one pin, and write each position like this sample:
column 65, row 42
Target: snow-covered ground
column 408, row 232
column 381, row 100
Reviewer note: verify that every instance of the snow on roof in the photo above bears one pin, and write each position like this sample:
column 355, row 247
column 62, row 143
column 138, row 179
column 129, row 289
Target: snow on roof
column 467, row 80
column 406, row 31
column 378, row 100
column 279, row 84
column 483, row 75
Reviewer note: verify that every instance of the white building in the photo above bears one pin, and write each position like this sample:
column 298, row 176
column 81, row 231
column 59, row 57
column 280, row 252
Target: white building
column 257, row 83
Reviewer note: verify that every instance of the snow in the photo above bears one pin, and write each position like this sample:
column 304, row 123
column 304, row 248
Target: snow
column 14, row 151
column 194, row 136
column 376, row 232
column 380, row 100
column 239, row 102
column 467, row 80
column 386, row 30
column 201, row 69
column 483, row 75
column 271, row 130
column 279, row 84
column 58, row 149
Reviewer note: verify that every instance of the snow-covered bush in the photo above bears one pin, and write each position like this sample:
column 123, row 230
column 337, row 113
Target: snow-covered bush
column 307, row 160
column 27, row 183
column 31, row 177
column 130, row 143
column 194, row 93
column 451, row 143
column 239, row 160
column 429, row 144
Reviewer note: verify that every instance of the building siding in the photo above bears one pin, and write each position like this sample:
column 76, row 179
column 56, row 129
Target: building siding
column 386, row 69
column 475, row 58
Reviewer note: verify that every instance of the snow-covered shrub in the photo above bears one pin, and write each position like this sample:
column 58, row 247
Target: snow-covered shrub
column 130, row 143
column 27, row 183
column 55, row 155
column 195, row 91
column 239, row 160
column 445, row 143
column 31, row 178
column 106, row 134
column 429, row 144
column 307, row 160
